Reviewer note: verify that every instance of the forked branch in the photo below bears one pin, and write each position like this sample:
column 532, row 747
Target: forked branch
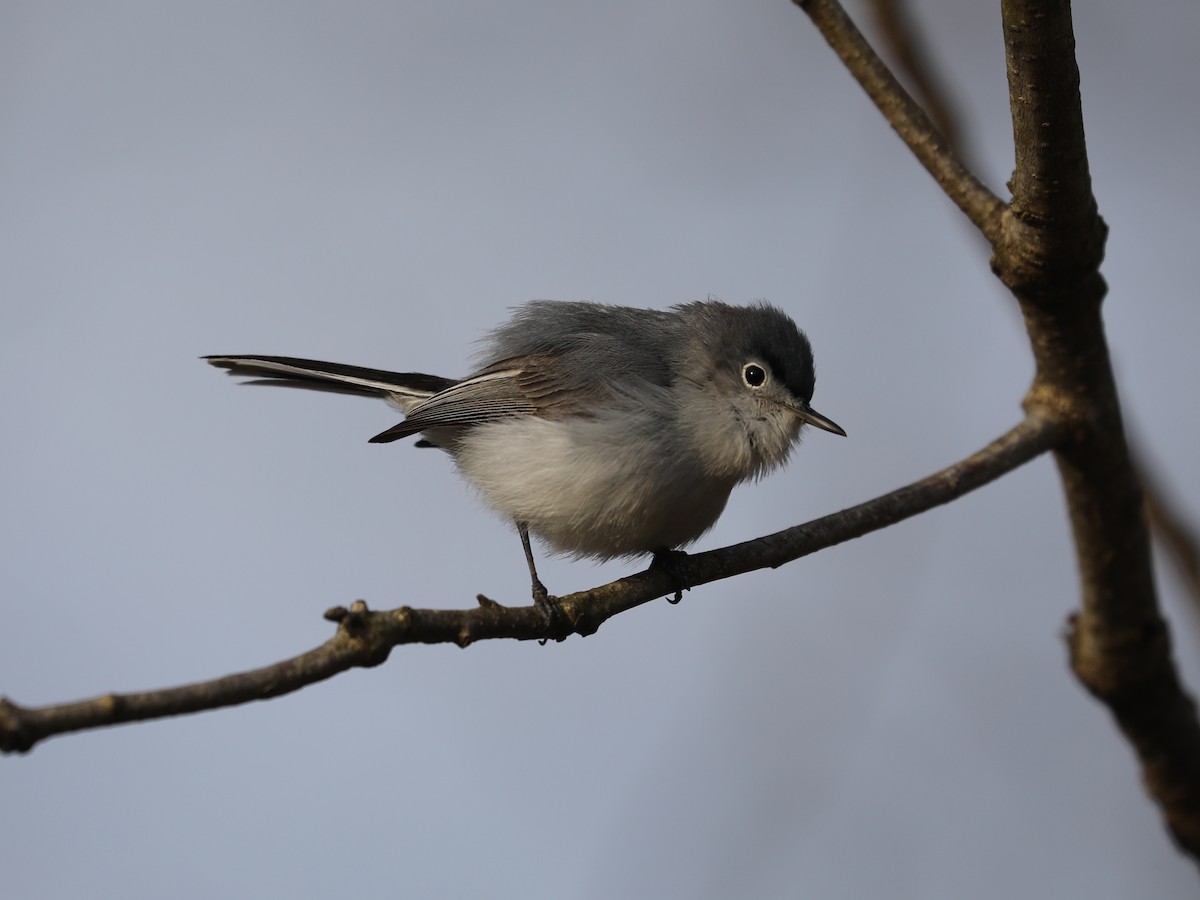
column 1048, row 244
column 1049, row 253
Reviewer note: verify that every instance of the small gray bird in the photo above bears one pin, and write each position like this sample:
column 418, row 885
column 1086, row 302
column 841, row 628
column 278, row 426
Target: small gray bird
column 607, row 431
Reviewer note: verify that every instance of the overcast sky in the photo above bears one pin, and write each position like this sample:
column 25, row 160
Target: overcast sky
column 378, row 183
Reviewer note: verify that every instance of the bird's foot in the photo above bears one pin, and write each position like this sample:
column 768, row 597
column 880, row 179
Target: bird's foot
column 558, row 624
column 669, row 562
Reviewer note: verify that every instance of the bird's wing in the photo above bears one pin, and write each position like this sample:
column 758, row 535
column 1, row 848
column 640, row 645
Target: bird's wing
column 525, row 386
column 484, row 397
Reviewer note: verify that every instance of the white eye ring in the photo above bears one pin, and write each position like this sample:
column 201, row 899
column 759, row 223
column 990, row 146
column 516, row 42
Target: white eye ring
column 754, row 375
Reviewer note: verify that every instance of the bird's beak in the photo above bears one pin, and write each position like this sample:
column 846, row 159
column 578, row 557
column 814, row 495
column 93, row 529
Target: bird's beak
column 812, row 417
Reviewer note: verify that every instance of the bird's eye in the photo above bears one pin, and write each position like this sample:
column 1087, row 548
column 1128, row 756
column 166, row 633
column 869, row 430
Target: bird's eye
column 754, row 375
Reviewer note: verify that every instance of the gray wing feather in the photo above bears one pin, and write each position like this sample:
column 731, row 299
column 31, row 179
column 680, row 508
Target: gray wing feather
column 481, row 398
column 553, row 359
column 592, row 344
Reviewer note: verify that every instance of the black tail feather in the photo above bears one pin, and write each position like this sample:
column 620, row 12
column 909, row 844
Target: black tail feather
column 311, row 374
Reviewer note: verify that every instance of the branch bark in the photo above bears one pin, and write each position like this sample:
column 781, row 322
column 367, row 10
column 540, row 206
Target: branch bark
column 1049, row 253
column 364, row 637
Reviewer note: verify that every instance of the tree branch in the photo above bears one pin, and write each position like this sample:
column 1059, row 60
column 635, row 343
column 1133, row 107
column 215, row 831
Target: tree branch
column 933, row 151
column 365, row 638
column 1049, row 253
column 1047, row 248
column 1174, row 532
column 896, row 25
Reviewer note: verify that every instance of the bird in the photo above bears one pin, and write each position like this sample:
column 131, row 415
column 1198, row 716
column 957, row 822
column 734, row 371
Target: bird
column 606, row 431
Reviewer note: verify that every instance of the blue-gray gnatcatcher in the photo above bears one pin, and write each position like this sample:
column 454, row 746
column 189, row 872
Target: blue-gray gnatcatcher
column 606, row 431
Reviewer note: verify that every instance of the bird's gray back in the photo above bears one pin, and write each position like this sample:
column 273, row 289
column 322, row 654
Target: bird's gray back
column 594, row 345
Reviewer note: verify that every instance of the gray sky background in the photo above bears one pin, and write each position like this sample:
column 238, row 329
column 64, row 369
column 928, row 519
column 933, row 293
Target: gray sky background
column 377, row 183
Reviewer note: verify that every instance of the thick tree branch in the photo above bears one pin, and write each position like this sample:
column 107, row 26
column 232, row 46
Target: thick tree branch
column 1049, row 253
column 897, row 27
column 365, row 638
column 1047, row 248
column 933, row 151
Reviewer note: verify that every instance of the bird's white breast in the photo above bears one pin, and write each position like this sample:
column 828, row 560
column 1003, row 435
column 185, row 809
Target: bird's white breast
column 619, row 483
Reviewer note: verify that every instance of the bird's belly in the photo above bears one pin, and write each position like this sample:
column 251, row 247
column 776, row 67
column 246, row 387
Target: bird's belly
column 591, row 487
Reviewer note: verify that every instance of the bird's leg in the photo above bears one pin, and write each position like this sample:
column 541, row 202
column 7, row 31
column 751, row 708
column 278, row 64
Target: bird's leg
column 556, row 620
column 540, row 594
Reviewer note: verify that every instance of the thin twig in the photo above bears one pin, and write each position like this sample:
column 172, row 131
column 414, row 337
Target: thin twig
column 1175, row 534
column 914, row 59
column 980, row 205
column 365, row 637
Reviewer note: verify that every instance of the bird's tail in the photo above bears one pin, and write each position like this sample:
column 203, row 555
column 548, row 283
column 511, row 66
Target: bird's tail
column 400, row 389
